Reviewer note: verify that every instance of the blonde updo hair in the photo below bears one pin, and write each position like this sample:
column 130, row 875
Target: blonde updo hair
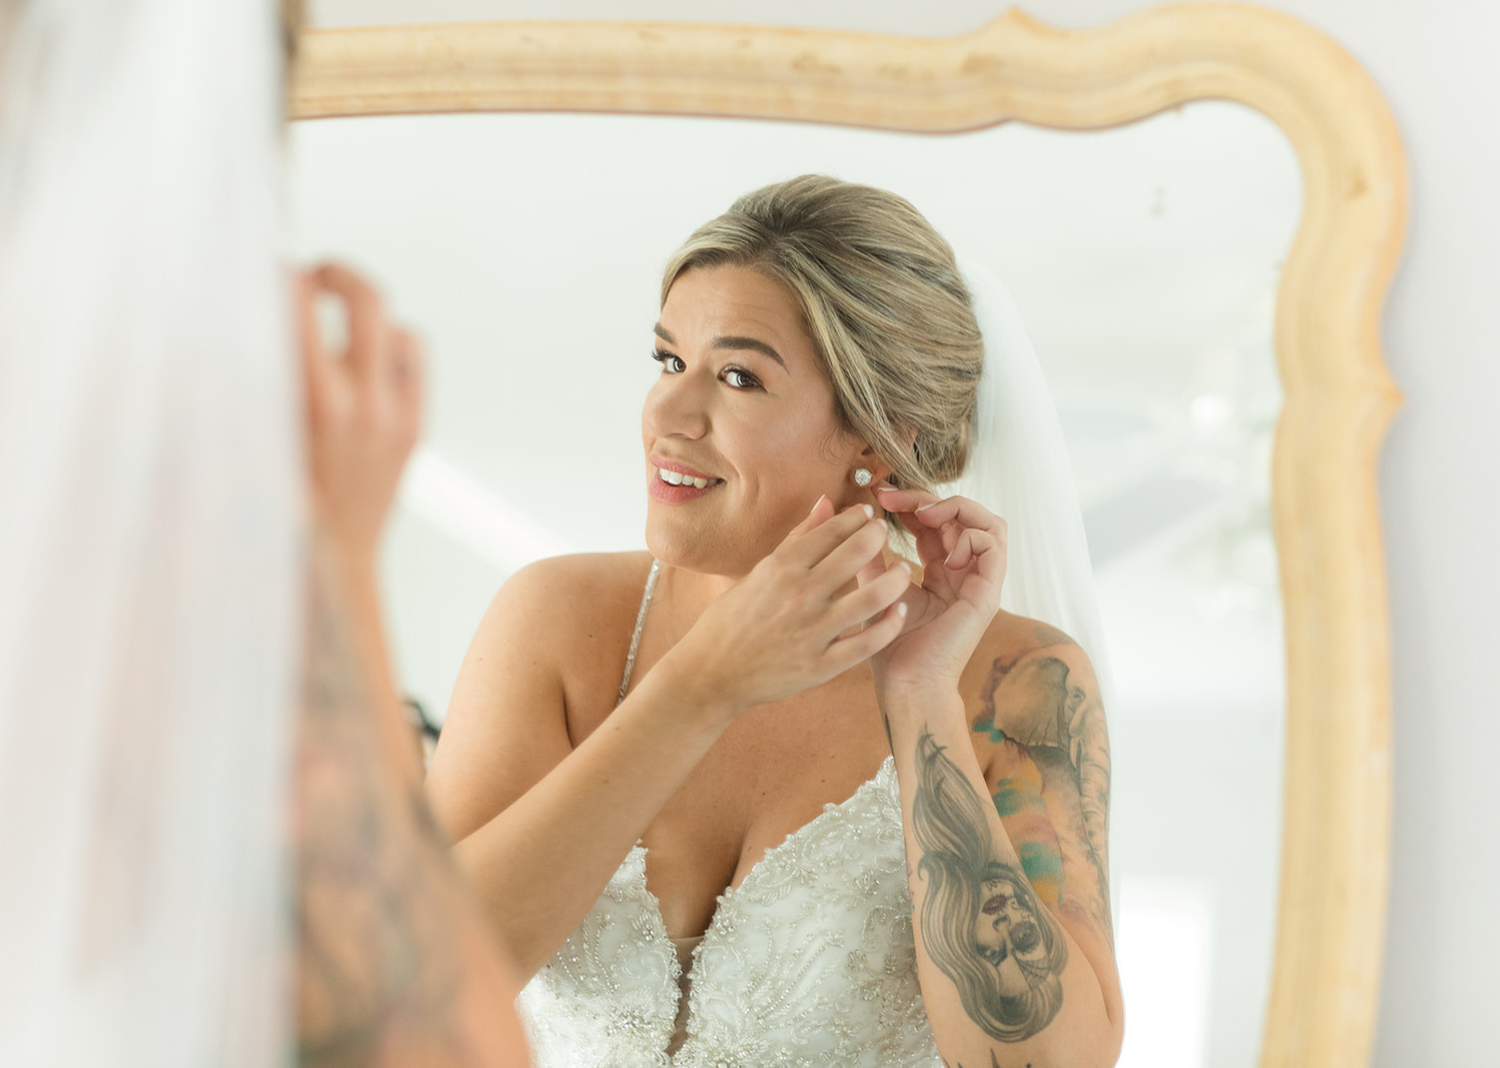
column 885, row 306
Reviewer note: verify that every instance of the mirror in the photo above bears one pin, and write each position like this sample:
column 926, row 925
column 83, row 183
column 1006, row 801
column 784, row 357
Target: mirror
column 1144, row 261
column 1150, row 263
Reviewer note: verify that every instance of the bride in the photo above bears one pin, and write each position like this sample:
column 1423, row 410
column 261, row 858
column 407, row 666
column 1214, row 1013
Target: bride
column 772, row 793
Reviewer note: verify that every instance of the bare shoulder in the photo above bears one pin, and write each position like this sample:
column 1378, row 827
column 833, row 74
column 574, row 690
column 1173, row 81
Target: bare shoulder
column 579, row 578
column 545, row 650
column 1026, row 678
column 567, row 598
column 1038, row 730
column 569, row 618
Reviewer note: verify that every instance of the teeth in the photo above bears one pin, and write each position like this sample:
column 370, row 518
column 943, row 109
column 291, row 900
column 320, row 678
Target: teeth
column 675, row 478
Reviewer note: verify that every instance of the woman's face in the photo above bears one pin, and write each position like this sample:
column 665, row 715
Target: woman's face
column 741, row 405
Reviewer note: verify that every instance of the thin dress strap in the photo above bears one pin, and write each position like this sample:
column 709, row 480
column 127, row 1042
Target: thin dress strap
column 640, row 622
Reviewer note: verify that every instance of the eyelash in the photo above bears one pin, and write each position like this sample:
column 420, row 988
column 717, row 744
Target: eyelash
column 751, row 382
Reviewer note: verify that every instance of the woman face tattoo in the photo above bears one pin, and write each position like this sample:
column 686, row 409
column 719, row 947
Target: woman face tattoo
column 1007, row 933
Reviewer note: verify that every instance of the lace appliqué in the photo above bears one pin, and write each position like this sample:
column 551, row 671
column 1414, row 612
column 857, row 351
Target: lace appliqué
column 609, row 996
column 810, row 961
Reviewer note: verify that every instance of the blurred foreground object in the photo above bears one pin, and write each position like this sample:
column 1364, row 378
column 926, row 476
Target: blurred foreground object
column 150, row 489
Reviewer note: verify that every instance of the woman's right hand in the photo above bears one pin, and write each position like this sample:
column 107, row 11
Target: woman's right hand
column 798, row 618
column 364, row 408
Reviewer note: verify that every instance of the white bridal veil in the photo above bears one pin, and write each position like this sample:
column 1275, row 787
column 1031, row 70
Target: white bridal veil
column 1019, row 469
column 149, row 514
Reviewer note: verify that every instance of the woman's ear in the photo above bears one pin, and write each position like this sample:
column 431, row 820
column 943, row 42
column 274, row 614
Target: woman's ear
column 867, row 459
column 866, row 471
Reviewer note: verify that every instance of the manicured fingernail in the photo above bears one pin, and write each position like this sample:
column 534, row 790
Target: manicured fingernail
column 815, row 505
column 901, row 609
column 869, row 512
column 926, row 506
column 904, row 564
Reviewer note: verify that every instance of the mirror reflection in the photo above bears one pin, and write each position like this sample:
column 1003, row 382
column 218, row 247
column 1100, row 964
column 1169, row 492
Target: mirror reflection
column 1143, row 262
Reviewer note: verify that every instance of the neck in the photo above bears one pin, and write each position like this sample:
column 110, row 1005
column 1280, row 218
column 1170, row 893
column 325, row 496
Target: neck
column 696, row 590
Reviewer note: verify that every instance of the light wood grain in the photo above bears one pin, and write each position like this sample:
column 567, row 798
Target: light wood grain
column 1339, row 399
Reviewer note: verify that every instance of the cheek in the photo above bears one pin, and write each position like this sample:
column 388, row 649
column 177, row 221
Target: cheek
column 793, row 453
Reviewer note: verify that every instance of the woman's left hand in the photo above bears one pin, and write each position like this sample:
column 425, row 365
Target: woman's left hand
column 961, row 547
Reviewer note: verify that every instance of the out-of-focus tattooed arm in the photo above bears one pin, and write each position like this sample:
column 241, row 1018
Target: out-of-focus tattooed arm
column 395, row 963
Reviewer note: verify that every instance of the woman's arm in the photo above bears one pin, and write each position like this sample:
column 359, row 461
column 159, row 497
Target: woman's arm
column 1008, row 975
column 394, row 963
column 1011, row 915
column 542, row 825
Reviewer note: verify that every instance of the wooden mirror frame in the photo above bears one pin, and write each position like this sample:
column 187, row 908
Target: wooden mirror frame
column 1339, row 399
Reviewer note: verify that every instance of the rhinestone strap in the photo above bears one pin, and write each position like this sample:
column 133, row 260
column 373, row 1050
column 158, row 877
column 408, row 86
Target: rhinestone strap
column 640, row 622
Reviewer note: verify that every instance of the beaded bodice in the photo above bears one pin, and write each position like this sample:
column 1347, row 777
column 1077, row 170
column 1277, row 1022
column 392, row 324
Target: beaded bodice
column 808, row 961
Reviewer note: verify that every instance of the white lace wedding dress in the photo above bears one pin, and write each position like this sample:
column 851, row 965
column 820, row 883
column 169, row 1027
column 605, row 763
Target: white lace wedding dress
column 809, row 961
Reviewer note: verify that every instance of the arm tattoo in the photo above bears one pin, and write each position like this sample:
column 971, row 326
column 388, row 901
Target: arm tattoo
column 982, row 923
column 377, row 963
column 994, row 1062
column 1059, row 720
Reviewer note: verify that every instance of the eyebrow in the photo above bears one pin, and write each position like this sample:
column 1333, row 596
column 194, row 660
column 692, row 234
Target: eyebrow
column 729, row 343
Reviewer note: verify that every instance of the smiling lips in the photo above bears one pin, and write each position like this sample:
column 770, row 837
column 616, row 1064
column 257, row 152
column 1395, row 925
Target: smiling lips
column 679, row 483
column 677, row 478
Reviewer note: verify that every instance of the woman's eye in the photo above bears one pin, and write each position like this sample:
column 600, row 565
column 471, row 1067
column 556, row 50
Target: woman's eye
column 670, row 364
column 741, row 379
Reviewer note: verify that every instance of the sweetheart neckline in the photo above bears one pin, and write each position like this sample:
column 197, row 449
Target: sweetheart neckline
column 729, row 892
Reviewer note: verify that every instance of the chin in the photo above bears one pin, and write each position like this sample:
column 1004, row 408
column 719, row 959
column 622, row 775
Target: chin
column 690, row 548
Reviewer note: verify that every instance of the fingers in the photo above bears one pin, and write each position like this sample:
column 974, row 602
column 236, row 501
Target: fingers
column 963, row 511
column 933, row 511
column 364, row 403
column 851, row 555
column 873, row 569
column 821, row 512
column 811, row 542
column 872, row 598
column 930, row 548
column 855, row 648
column 978, row 546
column 408, row 379
column 964, row 528
column 903, row 500
column 382, row 360
column 309, row 336
column 370, row 340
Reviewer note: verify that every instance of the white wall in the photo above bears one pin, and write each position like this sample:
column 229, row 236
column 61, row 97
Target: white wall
column 1440, row 473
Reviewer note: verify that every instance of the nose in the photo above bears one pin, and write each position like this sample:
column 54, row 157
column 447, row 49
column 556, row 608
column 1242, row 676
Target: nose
column 676, row 406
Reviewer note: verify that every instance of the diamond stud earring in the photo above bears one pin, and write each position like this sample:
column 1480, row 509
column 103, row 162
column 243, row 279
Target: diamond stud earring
column 862, row 477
